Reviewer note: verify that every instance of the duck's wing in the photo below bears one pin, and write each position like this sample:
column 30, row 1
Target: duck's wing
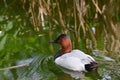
column 71, row 63
column 89, row 62
column 85, row 58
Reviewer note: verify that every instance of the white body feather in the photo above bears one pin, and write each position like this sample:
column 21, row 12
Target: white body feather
column 75, row 60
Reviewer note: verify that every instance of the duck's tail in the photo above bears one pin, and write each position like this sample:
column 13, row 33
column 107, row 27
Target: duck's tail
column 92, row 66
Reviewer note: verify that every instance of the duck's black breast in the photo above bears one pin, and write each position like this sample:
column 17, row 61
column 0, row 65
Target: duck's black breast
column 57, row 55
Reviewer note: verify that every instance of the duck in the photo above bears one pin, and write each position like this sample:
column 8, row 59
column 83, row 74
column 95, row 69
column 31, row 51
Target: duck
column 73, row 61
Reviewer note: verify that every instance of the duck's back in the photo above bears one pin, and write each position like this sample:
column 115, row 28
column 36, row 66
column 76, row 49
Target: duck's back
column 85, row 58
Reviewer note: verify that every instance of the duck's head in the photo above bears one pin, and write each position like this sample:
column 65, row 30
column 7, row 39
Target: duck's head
column 64, row 41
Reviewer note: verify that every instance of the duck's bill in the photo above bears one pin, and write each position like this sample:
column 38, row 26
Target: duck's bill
column 53, row 41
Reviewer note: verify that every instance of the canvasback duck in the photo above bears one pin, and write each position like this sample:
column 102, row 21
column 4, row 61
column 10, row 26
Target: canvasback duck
column 73, row 62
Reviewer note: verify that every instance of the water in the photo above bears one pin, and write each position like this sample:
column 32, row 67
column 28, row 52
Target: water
column 43, row 68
